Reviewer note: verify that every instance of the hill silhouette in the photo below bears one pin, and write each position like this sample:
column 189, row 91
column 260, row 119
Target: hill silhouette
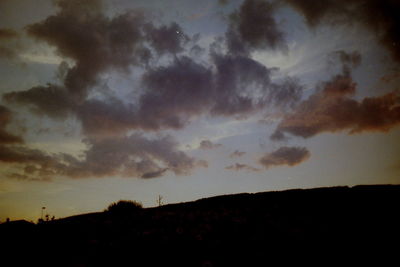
column 231, row 230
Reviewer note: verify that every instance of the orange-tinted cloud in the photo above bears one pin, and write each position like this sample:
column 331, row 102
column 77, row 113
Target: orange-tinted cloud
column 331, row 109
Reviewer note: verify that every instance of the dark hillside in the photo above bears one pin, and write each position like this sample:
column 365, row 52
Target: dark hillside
column 242, row 229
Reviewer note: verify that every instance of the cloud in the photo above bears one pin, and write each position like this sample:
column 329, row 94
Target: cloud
column 51, row 100
column 380, row 17
column 207, row 144
column 348, row 60
column 30, row 164
column 176, row 93
column 235, row 86
column 7, row 33
column 23, row 177
column 5, row 119
column 133, row 156
column 254, row 27
column 154, row 174
column 239, row 167
column 21, row 154
column 106, row 118
column 285, row 156
column 172, row 95
column 331, row 109
column 166, row 39
column 8, row 49
column 223, row 2
column 244, row 86
column 237, row 154
column 96, row 43
column 241, row 85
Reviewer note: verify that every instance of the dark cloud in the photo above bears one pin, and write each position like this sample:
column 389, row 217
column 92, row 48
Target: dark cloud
column 106, row 118
column 235, row 86
column 207, row 144
column 285, row 156
column 33, row 164
column 243, row 86
column 8, row 49
column 380, row 17
column 348, row 61
column 7, row 33
column 51, row 100
column 8, row 53
column 166, row 39
column 237, row 154
column 254, row 27
column 196, row 51
column 154, row 174
column 5, row 119
column 353, row 59
column 331, row 109
column 24, row 177
column 278, row 135
column 97, row 43
column 20, row 154
column 80, row 31
column 239, row 167
column 133, row 156
column 174, row 94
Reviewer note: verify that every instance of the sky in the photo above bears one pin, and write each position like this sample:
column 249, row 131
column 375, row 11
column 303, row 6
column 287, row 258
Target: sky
column 184, row 99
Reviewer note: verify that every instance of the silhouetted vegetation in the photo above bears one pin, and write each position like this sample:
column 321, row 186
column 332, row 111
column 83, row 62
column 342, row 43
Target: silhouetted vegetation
column 232, row 230
column 124, row 207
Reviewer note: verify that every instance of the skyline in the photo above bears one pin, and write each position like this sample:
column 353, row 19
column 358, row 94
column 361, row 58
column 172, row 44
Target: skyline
column 109, row 100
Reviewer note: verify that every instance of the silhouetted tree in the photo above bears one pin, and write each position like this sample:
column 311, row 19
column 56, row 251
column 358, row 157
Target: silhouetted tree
column 124, row 207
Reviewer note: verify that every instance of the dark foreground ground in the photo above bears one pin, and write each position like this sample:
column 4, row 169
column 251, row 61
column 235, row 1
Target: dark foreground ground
column 324, row 224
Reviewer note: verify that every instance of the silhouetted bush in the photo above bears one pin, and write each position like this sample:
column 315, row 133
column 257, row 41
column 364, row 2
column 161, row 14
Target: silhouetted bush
column 124, row 207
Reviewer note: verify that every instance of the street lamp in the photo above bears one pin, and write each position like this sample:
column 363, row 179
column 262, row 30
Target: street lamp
column 43, row 208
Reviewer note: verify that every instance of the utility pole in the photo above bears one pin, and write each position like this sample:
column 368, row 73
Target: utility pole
column 159, row 200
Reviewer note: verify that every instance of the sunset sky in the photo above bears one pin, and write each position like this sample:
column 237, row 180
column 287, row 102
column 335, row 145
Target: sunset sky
column 132, row 99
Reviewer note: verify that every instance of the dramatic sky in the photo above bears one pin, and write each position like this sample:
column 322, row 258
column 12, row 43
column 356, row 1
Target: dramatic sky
column 131, row 99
